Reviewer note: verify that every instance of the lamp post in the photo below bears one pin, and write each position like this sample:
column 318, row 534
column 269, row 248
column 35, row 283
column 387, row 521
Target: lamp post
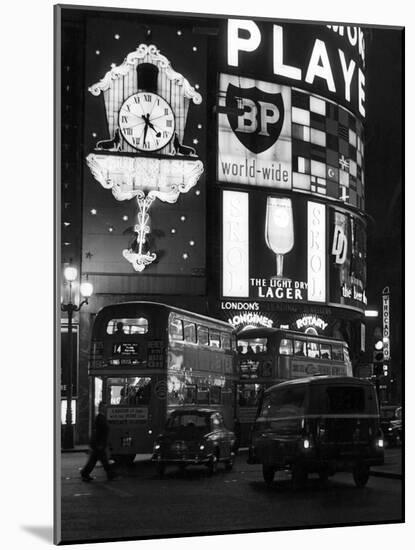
column 70, row 273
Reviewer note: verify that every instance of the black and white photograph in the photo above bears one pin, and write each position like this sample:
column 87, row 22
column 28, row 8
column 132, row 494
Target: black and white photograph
column 225, row 231
column 229, row 267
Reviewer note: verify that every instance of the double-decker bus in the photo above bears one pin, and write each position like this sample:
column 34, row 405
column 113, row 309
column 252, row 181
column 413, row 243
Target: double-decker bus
column 147, row 359
column 267, row 356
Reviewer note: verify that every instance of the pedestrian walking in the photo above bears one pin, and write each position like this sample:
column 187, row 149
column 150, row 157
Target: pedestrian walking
column 98, row 447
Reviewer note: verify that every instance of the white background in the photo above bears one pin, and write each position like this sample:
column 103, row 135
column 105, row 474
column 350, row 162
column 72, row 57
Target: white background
column 27, row 303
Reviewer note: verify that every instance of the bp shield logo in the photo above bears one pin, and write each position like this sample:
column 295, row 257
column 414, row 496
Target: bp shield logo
column 256, row 117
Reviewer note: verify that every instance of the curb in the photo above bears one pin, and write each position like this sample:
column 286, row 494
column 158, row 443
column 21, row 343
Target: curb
column 391, row 475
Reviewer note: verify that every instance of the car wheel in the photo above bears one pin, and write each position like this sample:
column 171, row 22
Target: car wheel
column 361, row 473
column 160, row 469
column 299, row 477
column 268, row 473
column 213, row 464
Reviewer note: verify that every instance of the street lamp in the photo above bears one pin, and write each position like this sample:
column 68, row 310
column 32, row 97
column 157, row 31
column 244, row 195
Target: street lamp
column 70, row 274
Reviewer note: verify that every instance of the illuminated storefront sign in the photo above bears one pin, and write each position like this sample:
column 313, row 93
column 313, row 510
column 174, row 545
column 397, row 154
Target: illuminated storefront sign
column 235, row 244
column 386, row 319
column 316, row 257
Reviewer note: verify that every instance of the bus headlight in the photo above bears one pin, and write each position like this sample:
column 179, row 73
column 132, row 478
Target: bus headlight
column 379, row 443
column 202, row 447
column 156, row 447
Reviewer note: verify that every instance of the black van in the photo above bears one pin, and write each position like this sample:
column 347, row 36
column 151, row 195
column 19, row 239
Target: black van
column 323, row 424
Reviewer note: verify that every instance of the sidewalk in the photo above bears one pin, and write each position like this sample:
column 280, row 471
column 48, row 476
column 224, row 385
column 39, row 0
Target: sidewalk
column 392, row 467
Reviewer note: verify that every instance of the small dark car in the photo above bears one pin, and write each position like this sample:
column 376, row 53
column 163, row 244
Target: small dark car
column 323, row 425
column 194, row 436
column 391, row 423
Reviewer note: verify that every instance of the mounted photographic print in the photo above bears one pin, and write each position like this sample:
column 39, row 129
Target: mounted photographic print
column 229, row 274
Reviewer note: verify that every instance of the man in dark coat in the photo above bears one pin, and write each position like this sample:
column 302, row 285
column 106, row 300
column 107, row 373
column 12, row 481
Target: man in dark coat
column 98, row 444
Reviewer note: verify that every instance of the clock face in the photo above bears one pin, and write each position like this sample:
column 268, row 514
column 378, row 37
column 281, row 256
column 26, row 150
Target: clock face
column 146, row 121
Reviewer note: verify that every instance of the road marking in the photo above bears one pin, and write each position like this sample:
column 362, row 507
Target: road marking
column 117, row 491
column 82, row 494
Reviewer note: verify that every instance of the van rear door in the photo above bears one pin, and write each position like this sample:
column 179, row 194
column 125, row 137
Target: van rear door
column 347, row 418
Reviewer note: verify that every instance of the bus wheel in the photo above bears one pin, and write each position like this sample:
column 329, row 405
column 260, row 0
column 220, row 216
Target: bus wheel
column 299, row 477
column 124, row 460
column 361, row 473
column 268, row 473
column 213, row 465
column 160, row 469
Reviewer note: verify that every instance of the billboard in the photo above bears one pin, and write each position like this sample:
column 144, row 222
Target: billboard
column 288, row 248
column 329, row 60
column 143, row 210
column 254, row 133
column 280, row 137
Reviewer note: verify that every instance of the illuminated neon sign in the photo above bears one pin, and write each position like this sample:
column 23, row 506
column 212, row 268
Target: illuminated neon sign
column 310, row 321
column 336, row 70
column 249, row 318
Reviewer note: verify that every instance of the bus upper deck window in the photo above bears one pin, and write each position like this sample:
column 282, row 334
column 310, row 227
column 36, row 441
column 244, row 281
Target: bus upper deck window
column 127, row 327
column 337, row 353
column 176, row 329
column 214, row 339
column 252, row 346
column 226, row 341
column 286, row 347
column 189, row 332
column 313, row 350
column 202, row 336
column 325, row 351
column 299, row 347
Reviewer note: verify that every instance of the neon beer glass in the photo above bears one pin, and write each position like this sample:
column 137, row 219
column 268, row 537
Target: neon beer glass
column 279, row 230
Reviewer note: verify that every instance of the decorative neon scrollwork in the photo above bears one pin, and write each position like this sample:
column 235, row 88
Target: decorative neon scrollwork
column 140, row 259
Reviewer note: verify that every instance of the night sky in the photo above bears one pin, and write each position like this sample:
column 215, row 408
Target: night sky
column 384, row 173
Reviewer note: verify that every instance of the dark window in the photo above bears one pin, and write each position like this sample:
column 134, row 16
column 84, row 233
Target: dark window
column 325, row 351
column 226, row 341
column 215, row 393
column 345, row 399
column 286, row 401
column 337, row 352
column 190, row 394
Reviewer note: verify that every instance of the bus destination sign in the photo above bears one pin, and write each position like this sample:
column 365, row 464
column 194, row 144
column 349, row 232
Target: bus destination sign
column 125, row 348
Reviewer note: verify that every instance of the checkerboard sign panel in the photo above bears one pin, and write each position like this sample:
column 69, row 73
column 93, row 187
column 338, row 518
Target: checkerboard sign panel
column 327, row 149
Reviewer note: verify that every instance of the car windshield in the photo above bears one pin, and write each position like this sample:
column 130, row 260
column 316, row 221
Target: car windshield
column 283, row 402
column 201, row 422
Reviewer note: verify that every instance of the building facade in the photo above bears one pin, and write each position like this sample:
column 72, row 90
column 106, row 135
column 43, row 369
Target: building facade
column 248, row 205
